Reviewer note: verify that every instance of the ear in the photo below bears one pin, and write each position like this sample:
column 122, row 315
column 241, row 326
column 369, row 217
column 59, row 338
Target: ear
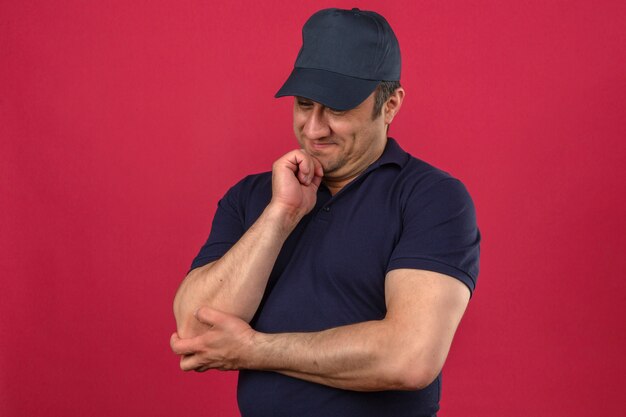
column 392, row 105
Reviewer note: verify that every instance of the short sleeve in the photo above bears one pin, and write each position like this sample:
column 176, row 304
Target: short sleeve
column 439, row 233
column 226, row 229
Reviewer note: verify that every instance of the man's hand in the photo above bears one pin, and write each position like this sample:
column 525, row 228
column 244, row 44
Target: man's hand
column 220, row 347
column 296, row 176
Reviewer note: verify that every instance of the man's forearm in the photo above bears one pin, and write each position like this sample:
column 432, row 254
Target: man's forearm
column 368, row 356
column 236, row 282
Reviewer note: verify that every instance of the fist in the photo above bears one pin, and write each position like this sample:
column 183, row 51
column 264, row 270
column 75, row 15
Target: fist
column 296, row 176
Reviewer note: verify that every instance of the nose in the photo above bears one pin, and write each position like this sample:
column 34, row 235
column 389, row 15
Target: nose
column 316, row 125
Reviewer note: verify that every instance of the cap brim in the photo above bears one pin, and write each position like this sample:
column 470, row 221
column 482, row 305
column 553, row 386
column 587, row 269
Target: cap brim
column 337, row 91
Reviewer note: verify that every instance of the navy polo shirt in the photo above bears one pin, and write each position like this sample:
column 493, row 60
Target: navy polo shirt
column 400, row 213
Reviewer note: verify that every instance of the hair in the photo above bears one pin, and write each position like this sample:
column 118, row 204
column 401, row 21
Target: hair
column 383, row 91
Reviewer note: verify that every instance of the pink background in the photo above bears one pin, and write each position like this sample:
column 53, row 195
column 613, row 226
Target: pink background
column 123, row 122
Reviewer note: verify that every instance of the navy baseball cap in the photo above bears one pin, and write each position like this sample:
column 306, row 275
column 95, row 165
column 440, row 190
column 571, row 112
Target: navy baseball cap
column 345, row 54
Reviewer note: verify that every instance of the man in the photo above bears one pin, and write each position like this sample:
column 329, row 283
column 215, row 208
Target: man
column 336, row 282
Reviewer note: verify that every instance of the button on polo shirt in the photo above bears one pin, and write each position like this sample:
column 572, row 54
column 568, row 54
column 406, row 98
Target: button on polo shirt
column 400, row 213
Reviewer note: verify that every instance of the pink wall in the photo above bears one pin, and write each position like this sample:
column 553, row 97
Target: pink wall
column 122, row 123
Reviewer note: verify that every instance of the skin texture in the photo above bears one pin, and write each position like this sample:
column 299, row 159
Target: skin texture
column 214, row 304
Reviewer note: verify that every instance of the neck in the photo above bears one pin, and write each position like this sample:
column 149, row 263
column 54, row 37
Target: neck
column 335, row 185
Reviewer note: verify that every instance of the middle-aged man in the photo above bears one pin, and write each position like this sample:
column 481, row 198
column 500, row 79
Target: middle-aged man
column 336, row 282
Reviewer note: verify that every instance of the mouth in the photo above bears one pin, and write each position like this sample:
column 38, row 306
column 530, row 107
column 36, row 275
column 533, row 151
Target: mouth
column 320, row 146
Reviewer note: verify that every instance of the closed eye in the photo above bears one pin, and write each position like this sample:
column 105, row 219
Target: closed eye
column 335, row 111
column 303, row 102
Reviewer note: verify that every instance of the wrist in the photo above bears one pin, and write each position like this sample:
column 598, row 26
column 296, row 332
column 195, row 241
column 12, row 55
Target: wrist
column 284, row 218
column 250, row 355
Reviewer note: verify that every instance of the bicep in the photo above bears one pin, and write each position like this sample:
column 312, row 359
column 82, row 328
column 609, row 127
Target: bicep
column 428, row 307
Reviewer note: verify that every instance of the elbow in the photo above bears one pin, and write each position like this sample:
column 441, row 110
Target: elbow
column 180, row 304
column 417, row 379
column 415, row 372
column 186, row 302
column 186, row 299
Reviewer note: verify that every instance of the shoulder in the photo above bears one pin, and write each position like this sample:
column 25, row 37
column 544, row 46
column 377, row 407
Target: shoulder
column 254, row 180
column 252, row 186
column 439, row 223
column 249, row 197
column 419, row 182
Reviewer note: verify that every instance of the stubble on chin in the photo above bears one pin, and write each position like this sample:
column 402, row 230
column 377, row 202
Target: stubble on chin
column 330, row 166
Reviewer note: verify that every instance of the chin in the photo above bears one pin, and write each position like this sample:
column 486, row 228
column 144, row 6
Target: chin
column 330, row 166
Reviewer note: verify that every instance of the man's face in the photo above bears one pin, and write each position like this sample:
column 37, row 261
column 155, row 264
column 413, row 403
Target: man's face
column 345, row 142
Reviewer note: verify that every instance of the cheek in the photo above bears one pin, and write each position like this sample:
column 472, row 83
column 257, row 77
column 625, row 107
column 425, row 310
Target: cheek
column 342, row 131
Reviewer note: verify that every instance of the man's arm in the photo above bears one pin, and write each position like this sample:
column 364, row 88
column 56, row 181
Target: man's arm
column 236, row 282
column 406, row 350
